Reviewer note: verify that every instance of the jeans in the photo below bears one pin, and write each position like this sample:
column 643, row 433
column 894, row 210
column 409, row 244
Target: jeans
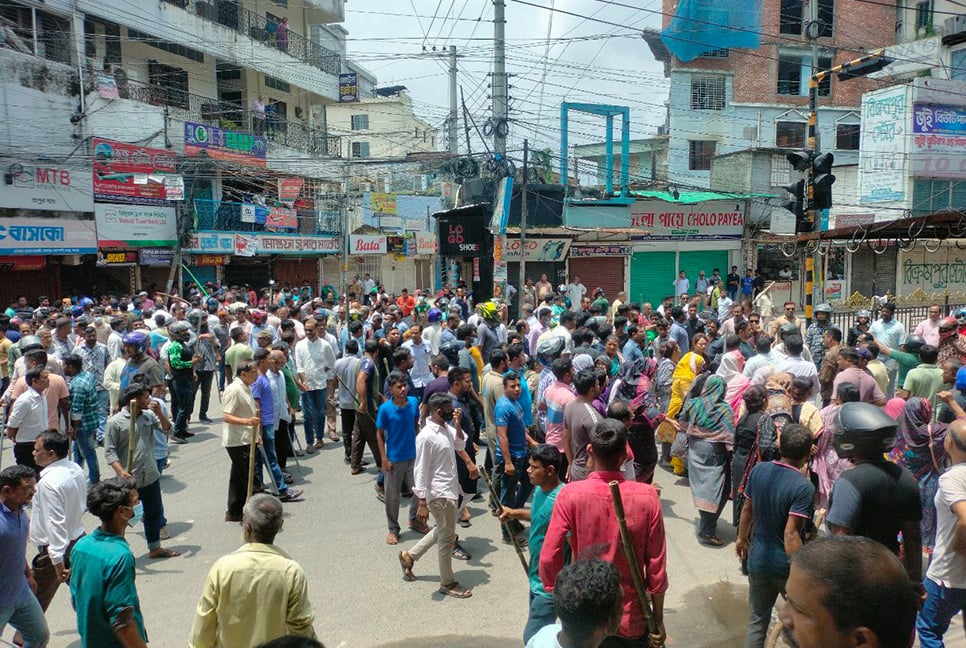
column 150, row 495
column 331, row 408
column 268, row 443
column 221, row 374
column 541, row 614
column 763, row 591
column 183, row 391
column 313, row 415
column 86, row 450
column 515, row 488
column 942, row 604
column 402, row 473
column 893, row 373
column 103, row 404
column 204, row 384
column 26, row 615
column 443, row 536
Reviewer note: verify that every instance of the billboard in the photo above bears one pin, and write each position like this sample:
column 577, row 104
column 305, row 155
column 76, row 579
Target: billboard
column 348, row 87
column 882, row 146
column 131, row 173
column 220, row 144
column 47, row 236
column 135, row 225
column 46, row 187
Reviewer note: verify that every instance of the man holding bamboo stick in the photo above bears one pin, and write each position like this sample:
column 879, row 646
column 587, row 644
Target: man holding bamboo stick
column 585, row 514
column 240, row 418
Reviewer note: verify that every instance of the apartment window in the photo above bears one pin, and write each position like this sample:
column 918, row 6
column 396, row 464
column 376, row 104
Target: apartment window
column 171, row 48
column 931, row 195
column 360, row 122
column 278, row 84
column 707, row 92
column 170, row 84
column 780, row 171
column 700, row 153
column 923, row 14
column 847, row 137
column 793, row 17
column 360, row 149
column 229, row 73
column 790, row 134
column 794, row 70
column 280, row 3
column 959, row 65
column 718, row 53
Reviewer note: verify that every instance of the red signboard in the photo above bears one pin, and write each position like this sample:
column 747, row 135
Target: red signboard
column 206, row 260
column 131, row 173
column 21, row 263
column 281, row 217
column 289, row 188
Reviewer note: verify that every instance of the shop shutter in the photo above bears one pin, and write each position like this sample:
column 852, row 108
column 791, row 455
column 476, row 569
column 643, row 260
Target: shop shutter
column 652, row 276
column 606, row 273
column 694, row 262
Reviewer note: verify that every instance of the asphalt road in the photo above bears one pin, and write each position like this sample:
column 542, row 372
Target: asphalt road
column 338, row 535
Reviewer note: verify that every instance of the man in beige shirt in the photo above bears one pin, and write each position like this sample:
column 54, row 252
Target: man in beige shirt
column 240, row 417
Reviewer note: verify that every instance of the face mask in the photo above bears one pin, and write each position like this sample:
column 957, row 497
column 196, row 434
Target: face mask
column 447, row 416
column 138, row 510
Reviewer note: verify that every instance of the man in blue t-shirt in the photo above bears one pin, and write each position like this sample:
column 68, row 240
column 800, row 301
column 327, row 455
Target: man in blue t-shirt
column 778, row 503
column 747, row 285
column 511, row 448
column 396, row 432
column 545, row 466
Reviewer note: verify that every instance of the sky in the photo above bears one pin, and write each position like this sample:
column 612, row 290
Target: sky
column 585, row 59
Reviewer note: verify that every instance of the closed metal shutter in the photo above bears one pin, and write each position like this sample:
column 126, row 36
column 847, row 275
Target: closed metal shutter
column 652, row 276
column 606, row 273
column 693, row 262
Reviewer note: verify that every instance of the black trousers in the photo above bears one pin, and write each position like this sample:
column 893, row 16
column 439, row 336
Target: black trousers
column 238, row 478
column 205, row 379
column 348, row 417
column 283, row 443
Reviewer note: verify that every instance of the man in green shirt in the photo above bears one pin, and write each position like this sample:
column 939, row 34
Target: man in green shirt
column 907, row 357
column 600, row 303
column 544, row 471
column 926, row 380
column 238, row 352
column 102, row 571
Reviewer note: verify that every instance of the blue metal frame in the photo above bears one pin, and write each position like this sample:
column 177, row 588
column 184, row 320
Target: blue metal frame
column 609, row 112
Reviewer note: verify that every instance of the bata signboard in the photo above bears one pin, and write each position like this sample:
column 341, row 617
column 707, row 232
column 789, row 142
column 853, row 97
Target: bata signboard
column 366, row 244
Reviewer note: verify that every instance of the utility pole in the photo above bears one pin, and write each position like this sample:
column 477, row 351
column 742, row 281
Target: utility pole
column 813, row 289
column 499, row 84
column 523, row 225
column 453, row 119
column 345, row 238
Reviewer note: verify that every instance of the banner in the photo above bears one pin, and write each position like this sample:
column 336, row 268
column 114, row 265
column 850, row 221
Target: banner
column 157, row 257
column 940, row 271
column 22, row 263
column 289, row 188
column 348, row 87
column 213, row 245
column 882, row 146
column 116, row 258
column 210, row 260
column 366, row 244
column 383, row 203
column 579, row 251
column 501, row 206
column 426, row 243
column 536, row 249
column 220, row 144
column 60, row 187
column 245, row 246
column 938, row 141
column 247, row 213
column 131, row 173
column 19, row 236
column 282, row 217
column 137, row 225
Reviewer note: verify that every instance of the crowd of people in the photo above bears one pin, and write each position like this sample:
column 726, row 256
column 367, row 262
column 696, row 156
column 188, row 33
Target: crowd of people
column 551, row 416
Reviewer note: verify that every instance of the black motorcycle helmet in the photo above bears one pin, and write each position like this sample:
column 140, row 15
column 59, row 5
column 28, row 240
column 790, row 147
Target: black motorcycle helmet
column 862, row 429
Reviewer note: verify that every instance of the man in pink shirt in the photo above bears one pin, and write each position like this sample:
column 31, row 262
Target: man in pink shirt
column 928, row 328
column 583, row 515
column 557, row 396
column 849, row 372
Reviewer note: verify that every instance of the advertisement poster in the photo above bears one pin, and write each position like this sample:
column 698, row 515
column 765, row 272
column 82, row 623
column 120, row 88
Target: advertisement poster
column 282, row 217
column 536, row 250
column 348, row 87
column 426, row 243
column 599, row 250
column 461, row 236
column 882, row 146
column 220, row 144
column 289, row 189
column 131, row 173
column 367, row 244
column 157, row 257
column 135, row 225
column 245, row 246
column 383, row 203
column 47, row 236
column 939, row 141
column 46, row 187
column 116, row 258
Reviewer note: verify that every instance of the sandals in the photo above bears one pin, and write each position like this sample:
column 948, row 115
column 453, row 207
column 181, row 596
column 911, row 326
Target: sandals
column 710, row 541
column 161, row 552
column 392, row 538
column 466, row 524
column 291, row 495
column 406, row 562
column 418, row 527
column 455, row 590
column 459, row 553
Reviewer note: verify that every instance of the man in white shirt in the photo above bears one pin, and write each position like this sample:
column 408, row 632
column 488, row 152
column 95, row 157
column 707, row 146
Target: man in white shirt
column 57, row 519
column 314, row 359
column 436, row 484
column 682, row 285
column 420, row 373
column 928, row 328
column 28, row 417
column 575, row 292
column 794, row 364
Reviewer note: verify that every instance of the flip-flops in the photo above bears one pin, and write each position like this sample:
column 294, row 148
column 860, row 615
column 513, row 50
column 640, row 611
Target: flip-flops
column 455, row 590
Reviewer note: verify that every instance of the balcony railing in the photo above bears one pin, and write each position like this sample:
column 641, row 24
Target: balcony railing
column 224, row 216
column 271, row 32
column 185, row 106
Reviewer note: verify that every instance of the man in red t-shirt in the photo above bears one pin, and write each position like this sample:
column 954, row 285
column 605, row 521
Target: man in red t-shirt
column 584, row 516
column 406, row 302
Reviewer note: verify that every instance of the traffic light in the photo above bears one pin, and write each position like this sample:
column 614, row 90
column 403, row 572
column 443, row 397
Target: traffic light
column 822, row 181
column 799, row 160
column 797, row 206
column 868, row 66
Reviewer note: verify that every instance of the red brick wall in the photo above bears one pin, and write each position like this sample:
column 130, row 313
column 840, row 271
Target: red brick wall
column 859, row 26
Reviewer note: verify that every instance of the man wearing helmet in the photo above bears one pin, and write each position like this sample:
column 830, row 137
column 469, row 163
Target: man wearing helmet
column 135, row 345
column 862, row 324
column 877, row 498
column 183, row 360
column 814, row 334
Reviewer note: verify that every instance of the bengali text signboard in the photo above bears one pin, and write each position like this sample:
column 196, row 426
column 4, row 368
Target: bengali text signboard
column 55, row 186
column 47, row 236
column 939, row 141
column 131, row 173
column 135, row 225
column 882, row 147
column 220, row 144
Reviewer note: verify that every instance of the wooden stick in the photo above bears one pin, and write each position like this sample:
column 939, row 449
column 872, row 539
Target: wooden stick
column 632, row 558
column 506, row 525
column 251, row 461
column 133, row 409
